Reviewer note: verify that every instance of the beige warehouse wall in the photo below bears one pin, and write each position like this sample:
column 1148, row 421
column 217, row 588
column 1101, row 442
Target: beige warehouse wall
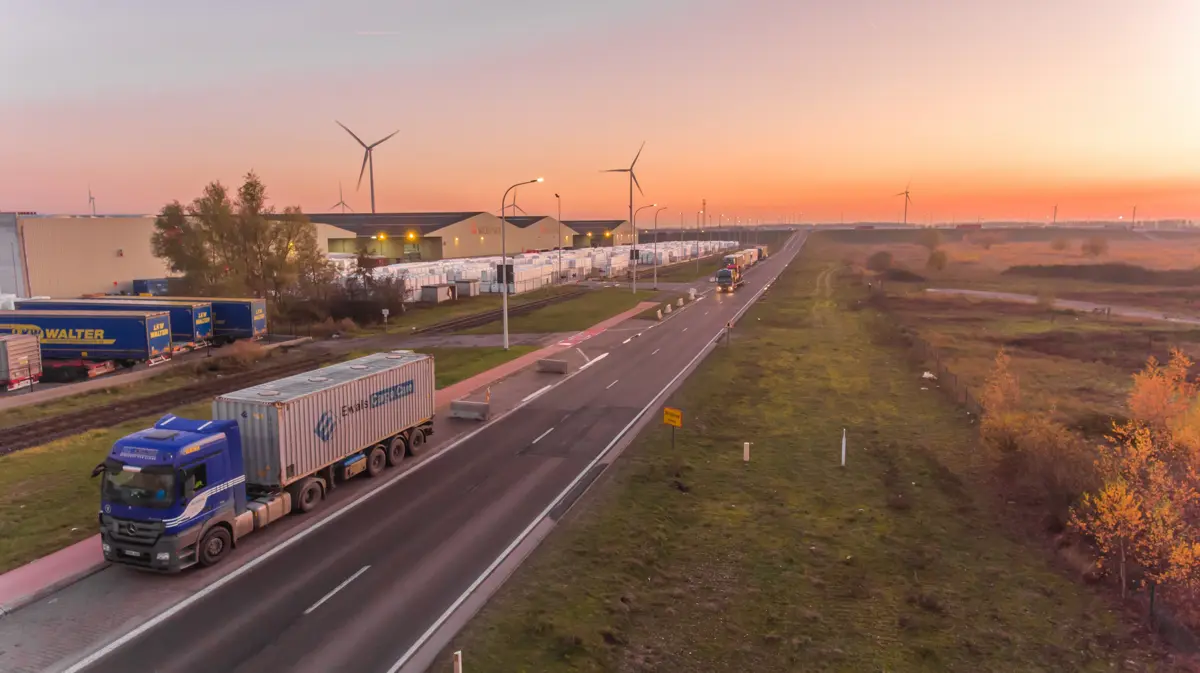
column 70, row 256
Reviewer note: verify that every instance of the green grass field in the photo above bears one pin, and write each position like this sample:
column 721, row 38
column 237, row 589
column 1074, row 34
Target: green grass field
column 686, row 271
column 685, row 559
column 571, row 315
column 48, row 500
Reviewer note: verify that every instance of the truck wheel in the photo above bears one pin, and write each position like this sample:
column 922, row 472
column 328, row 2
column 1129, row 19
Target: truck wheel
column 376, row 460
column 416, row 442
column 396, row 450
column 213, row 546
column 307, row 497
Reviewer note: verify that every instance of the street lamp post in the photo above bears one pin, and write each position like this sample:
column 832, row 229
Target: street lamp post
column 504, row 256
column 560, row 238
column 698, row 214
column 633, row 223
column 656, row 245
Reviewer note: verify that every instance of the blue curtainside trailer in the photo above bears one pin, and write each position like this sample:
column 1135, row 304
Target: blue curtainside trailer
column 89, row 343
column 191, row 321
column 233, row 319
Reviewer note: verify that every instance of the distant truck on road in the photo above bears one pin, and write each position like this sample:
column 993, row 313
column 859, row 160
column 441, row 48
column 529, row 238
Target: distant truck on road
column 185, row 492
column 84, row 344
column 729, row 279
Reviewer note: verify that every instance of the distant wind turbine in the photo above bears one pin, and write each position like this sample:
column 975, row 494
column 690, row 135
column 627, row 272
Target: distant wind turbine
column 91, row 201
column 514, row 206
column 632, row 179
column 341, row 200
column 907, row 200
column 368, row 159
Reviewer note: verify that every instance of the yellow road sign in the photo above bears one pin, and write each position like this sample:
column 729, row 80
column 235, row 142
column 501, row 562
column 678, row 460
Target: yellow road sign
column 672, row 416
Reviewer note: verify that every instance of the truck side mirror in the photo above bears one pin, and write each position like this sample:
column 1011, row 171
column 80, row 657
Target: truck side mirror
column 98, row 470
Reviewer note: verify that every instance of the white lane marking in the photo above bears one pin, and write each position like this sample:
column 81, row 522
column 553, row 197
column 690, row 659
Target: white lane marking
column 541, row 436
column 684, row 329
column 336, row 589
column 593, row 361
column 554, row 503
column 535, row 393
column 611, row 384
column 585, row 357
column 656, row 350
column 627, row 340
column 706, row 313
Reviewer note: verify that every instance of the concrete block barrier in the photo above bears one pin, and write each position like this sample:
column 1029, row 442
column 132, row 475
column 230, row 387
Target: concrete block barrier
column 552, row 366
column 679, row 302
column 475, row 411
column 667, row 309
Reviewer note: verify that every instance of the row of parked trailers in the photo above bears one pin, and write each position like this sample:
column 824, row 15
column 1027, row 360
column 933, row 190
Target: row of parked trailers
column 89, row 336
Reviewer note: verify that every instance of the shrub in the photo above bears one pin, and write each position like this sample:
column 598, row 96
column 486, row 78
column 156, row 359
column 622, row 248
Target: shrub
column 325, row 329
column 937, row 260
column 347, row 325
column 986, row 241
column 880, row 261
column 245, row 353
column 1059, row 244
column 1094, row 246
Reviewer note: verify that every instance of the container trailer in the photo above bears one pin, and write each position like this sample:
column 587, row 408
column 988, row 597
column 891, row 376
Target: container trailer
column 78, row 344
column 191, row 321
column 185, row 492
column 232, row 319
column 729, row 279
column 20, row 361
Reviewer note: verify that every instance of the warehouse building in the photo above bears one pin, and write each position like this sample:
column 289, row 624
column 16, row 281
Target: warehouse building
column 600, row 233
column 411, row 237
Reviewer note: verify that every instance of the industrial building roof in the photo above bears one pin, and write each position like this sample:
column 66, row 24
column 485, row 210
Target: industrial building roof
column 368, row 223
column 524, row 221
column 594, row 226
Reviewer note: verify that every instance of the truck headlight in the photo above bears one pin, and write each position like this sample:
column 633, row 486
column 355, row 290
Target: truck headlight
column 163, row 556
column 106, row 547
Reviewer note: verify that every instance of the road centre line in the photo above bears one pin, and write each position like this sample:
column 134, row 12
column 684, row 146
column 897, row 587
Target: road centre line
column 611, row 384
column 336, row 589
column 656, row 350
column 535, row 393
column 592, row 361
column 541, row 436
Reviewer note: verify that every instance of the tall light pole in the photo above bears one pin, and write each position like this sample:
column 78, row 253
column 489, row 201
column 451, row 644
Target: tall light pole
column 504, row 255
column 560, row 238
column 656, row 245
column 634, row 255
column 699, row 213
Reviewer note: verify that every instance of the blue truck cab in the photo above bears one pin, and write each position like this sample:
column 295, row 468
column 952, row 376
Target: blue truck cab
column 170, row 495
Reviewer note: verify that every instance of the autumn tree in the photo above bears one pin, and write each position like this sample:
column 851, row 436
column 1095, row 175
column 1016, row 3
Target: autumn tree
column 880, row 261
column 1162, row 395
column 1095, row 246
column 1060, row 244
column 239, row 245
column 937, row 260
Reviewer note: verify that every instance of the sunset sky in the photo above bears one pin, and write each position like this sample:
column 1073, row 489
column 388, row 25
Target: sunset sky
column 766, row 108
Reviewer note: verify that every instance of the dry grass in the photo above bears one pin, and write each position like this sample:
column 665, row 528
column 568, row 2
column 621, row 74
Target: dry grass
column 685, row 559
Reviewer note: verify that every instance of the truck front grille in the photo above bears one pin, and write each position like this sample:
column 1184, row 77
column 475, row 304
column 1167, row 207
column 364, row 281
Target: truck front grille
column 134, row 532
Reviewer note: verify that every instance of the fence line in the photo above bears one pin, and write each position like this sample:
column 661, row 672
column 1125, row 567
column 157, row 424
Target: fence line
column 947, row 380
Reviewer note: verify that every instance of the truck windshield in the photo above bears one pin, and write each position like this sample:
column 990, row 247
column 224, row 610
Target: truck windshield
column 724, row 274
column 148, row 487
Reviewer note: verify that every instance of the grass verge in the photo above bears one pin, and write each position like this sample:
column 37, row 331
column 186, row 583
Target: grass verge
column 686, row 271
column 48, row 500
column 686, row 559
column 572, row 315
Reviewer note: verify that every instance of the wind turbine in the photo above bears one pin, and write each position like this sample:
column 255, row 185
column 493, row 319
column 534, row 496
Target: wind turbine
column 907, row 200
column 632, row 181
column 514, row 206
column 91, row 201
column 368, row 159
column 341, row 200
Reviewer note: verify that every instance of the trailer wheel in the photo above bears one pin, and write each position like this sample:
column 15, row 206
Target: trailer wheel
column 416, row 442
column 214, row 545
column 397, row 448
column 307, row 496
column 376, row 460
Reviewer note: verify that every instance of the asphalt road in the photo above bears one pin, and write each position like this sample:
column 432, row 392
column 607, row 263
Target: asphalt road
column 357, row 594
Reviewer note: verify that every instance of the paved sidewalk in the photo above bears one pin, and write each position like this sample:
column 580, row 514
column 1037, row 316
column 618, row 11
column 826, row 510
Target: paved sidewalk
column 44, row 576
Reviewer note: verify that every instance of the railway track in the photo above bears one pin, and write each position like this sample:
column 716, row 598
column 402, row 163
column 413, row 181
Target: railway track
column 17, row 437
column 477, row 319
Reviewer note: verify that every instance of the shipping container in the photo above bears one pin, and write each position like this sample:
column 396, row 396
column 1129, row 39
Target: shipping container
column 128, row 336
column 20, row 360
column 191, row 321
column 232, row 319
column 293, row 427
column 150, row 286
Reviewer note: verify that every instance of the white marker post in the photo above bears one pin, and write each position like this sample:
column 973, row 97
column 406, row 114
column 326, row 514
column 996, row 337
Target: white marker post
column 458, row 662
column 745, row 452
column 843, row 447
column 385, row 316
